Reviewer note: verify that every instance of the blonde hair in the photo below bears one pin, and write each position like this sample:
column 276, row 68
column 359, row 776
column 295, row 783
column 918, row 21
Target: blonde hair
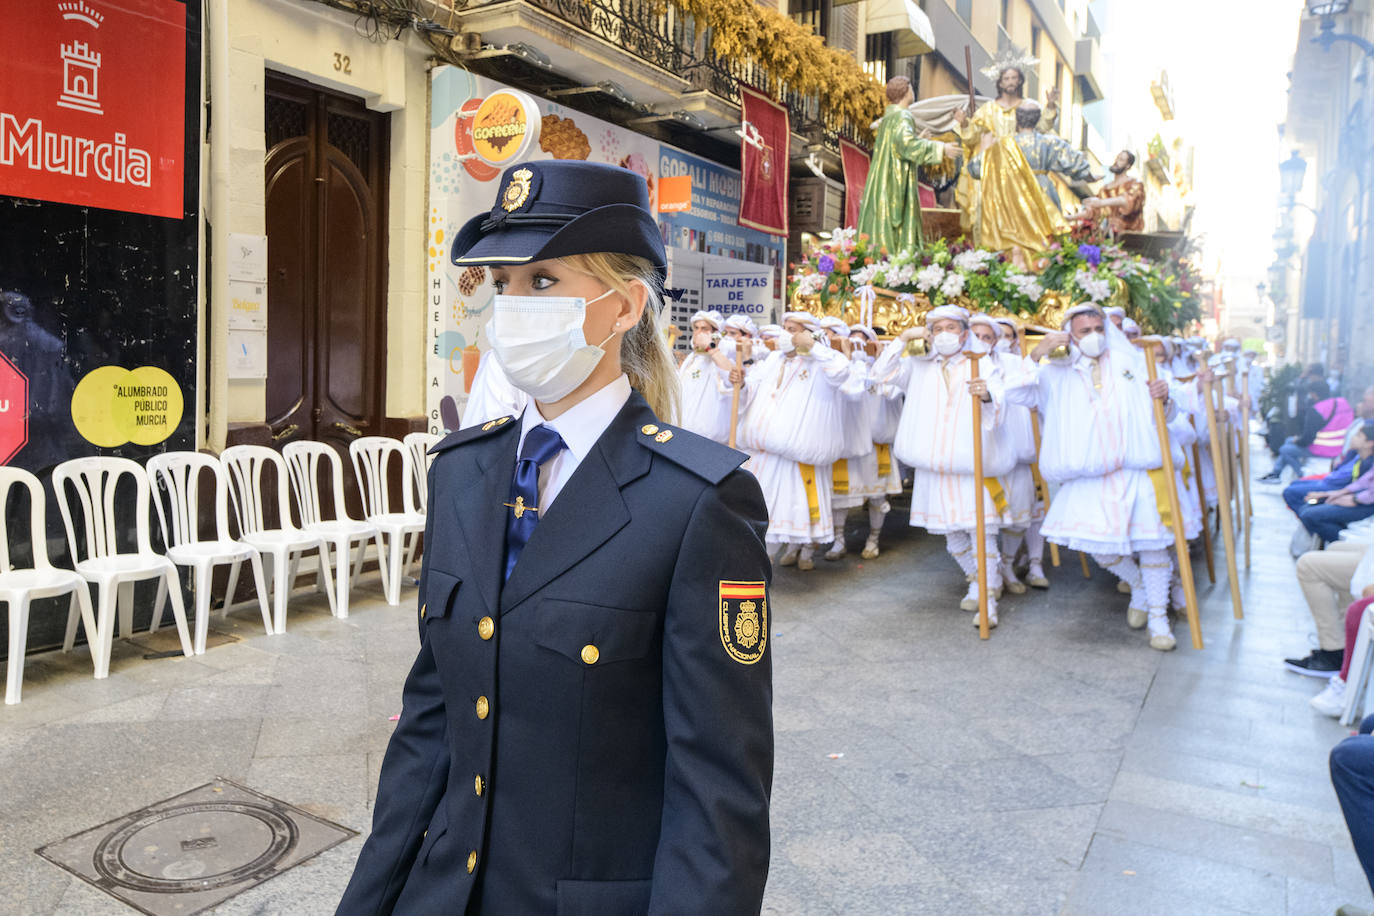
column 644, row 352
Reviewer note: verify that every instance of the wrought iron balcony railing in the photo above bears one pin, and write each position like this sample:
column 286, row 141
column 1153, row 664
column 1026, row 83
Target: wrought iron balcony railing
column 662, row 36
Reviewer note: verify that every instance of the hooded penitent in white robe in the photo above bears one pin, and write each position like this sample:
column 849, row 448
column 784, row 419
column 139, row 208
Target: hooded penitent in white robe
column 935, row 437
column 706, row 397
column 789, row 430
column 1100, row 446
column 855, row 472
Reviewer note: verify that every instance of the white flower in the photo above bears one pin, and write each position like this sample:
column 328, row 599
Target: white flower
column 1096, row 290
column 953, row 284
column 973, row 259
column 810, row 284
column 1027, row 285
column 901, row 275
column 927, row 278
column 864, row 275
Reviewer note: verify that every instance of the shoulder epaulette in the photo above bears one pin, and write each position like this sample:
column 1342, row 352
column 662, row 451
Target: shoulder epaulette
column 471, row 433
column 704, row 457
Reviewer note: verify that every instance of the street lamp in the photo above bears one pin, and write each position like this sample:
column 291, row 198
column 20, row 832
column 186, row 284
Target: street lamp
column 1327, row 34
column 1291, row 172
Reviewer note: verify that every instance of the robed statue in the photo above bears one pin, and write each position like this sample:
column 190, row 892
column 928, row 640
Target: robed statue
column 890, row 213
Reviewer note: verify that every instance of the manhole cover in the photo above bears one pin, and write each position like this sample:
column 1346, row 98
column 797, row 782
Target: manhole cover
column 195, row 850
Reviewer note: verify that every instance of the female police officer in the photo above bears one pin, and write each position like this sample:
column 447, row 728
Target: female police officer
column 587, row 728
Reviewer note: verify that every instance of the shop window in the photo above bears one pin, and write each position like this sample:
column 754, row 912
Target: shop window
column 878, row 56
column 808, row 13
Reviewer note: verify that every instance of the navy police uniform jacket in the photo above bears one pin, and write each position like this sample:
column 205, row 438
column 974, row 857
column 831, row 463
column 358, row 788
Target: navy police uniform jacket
column 593, row 736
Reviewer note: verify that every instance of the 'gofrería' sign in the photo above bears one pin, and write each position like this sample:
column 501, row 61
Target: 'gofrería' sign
column 92, row 106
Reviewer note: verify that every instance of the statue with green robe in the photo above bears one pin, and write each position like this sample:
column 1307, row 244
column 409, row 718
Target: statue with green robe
column 890, row 213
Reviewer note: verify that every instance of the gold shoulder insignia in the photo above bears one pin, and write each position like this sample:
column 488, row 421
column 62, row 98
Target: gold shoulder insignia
column 648, row 429
column 744, row 620
column 488, row 425
column 664, row 436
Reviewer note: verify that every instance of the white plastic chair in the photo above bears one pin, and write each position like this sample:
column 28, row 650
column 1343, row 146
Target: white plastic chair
column 418, row 445
column 1357, row 681
column 305, row 459
column 179, row 474
column 98, row 558
column 371, row 460
column 19, row 586
column 285, row 543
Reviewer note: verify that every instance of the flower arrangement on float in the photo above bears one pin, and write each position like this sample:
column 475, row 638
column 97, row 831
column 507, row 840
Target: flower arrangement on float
column 847, row 277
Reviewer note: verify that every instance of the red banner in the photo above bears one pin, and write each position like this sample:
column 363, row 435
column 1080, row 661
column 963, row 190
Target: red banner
column 92, row 104
column 763, row 163
column 855, row 162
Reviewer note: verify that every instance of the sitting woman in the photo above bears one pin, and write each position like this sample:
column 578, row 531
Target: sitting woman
column 1327, row 512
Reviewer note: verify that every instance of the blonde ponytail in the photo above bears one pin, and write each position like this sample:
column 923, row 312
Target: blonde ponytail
column 644, row 354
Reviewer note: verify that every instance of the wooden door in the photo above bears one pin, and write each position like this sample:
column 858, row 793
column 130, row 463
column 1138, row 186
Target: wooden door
column 326, row 270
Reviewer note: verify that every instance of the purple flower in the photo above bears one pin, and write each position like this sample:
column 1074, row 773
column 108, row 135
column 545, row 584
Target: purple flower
column 1091, row 253
column 826, row 264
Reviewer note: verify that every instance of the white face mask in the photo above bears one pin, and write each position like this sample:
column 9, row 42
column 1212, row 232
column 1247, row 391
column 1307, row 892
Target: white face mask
column 946, row 343
column 1093, row 344
column 1003, row 345
column 975, row 345
column 538, row 341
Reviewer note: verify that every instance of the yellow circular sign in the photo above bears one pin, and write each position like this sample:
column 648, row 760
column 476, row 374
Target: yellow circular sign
column 113, row 405
column 505, row 124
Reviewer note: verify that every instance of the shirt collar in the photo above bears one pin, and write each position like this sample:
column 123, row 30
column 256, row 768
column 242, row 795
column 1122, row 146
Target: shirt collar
column 583, row 423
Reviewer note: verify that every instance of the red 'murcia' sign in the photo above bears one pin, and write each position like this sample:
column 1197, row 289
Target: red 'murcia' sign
column 92, row 104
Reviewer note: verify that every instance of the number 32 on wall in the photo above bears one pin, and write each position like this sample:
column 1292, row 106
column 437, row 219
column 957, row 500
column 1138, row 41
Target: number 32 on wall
column 343, row 63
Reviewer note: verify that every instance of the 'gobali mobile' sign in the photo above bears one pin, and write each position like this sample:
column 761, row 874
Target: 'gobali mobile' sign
column 92, row 106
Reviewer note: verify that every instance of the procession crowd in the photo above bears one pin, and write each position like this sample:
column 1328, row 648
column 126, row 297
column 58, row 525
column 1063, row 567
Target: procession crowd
column 834, row 419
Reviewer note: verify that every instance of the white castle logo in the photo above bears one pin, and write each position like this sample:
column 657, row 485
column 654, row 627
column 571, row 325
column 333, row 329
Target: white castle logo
column 81, row 12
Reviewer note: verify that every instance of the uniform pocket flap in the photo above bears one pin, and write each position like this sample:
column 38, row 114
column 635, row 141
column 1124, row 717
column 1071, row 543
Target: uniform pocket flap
column 591, row 634
column 440, row 587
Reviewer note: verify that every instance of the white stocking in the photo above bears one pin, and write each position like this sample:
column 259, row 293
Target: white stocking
column 960, row 546
column 1035, row 543
column 1125, row 569
column 877, row 511
column 840, row 515
column 1154, row 569
column 1011, row 542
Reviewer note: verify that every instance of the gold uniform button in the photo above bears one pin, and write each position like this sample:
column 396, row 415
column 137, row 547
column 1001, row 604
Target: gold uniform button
column 486, row 627
column 483, row 707
column 422, row 610
column 472, row 861
column 590, row 654
column 648, row 429
column 477, row 785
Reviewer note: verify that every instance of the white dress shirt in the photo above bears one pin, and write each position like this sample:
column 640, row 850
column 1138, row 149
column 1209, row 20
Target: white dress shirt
column 580, row 426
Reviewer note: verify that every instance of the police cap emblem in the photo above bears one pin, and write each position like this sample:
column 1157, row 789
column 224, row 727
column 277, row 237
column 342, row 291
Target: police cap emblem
column 517, row 190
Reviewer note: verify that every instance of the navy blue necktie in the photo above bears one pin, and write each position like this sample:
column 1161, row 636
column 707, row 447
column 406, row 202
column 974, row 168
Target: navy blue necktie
column 541, row 444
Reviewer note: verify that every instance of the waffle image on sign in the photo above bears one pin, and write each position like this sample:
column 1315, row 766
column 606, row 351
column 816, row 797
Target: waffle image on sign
column 471, row 279
column 499, row 121
column 561, row 138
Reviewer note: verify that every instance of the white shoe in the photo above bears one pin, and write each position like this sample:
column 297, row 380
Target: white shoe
column 837, row 551
column 1123, row 586
column 871, row 548
column 992, row 614
column 1136, row 618
column 1010, row 582
column 789, row 556
column 1331, row 701
column 970, row 602
column 804, row 559
column 1035, row 578
column 1161, row 637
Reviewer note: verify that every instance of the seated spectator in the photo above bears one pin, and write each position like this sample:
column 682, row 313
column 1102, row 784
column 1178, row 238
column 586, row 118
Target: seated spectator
column 1324, row 426
column 1364, row 410
column 1361, row 584
column 1325, row 577
column 1325, row 513
column 1348, row 468
column 1352, row 776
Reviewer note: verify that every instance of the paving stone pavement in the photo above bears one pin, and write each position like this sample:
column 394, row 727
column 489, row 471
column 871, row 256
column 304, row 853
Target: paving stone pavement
column 1061, row 767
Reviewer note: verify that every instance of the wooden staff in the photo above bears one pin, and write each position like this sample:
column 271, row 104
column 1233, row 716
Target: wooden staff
column 1202, row 504
column 1083, row 562
column 979, row 489
column 1035, row 465
column 1245, row 459
column 1228, row 531
column 1185, row 563
column 734, row 395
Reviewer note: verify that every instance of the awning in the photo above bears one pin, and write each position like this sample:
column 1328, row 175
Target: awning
column 912, row 33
